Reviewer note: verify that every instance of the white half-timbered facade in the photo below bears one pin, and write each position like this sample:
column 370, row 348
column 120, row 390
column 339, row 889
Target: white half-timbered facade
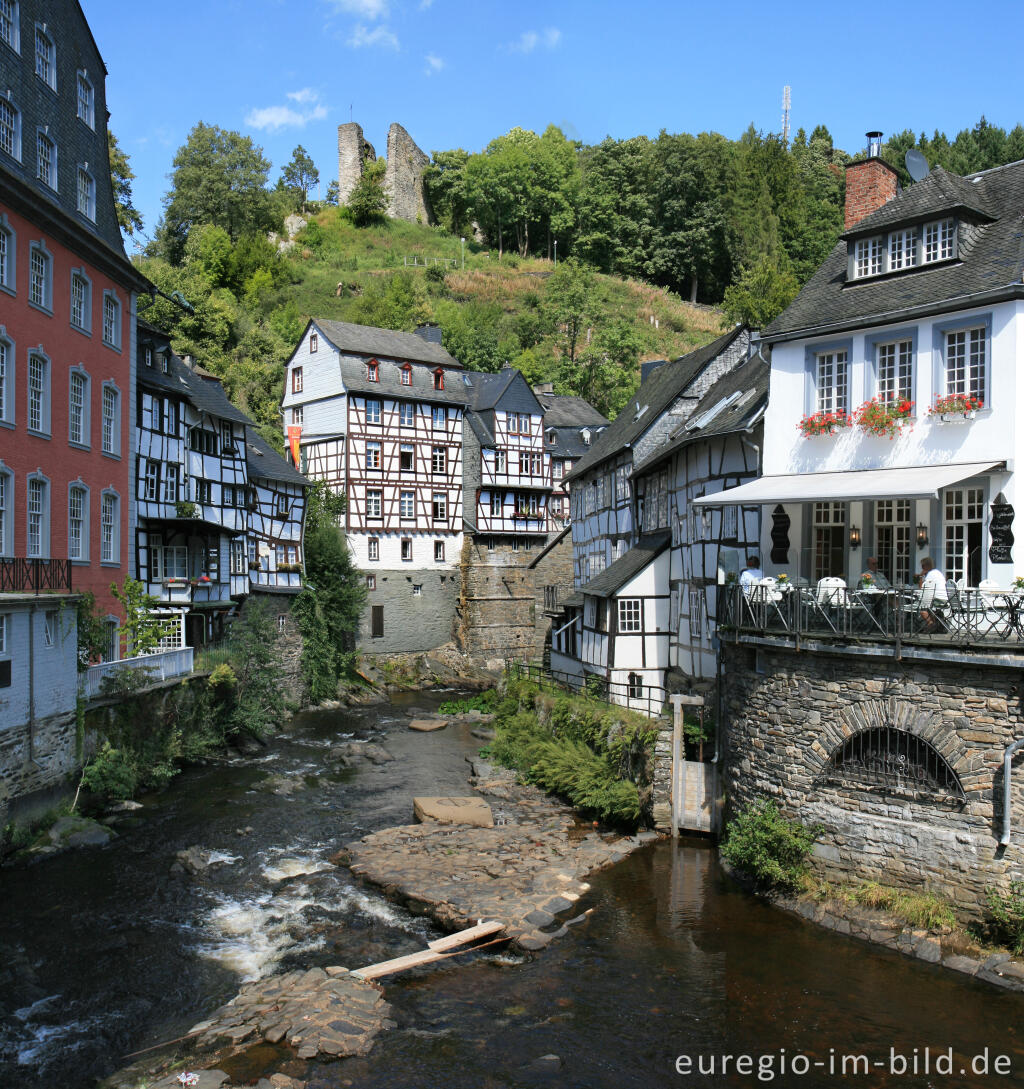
column 201, row 530
column 646, row 566
column 379, row 416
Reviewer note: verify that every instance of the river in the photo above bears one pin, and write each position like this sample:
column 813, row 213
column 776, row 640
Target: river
column 104, row 952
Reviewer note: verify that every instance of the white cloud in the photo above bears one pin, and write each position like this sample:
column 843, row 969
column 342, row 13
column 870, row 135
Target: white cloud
column 380, row 35
column 434, row 64
column 365, row 9
column 528, row 41
column 285, row 117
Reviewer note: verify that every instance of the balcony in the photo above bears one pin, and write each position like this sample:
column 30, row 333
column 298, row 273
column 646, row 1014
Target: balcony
column 155, row 668
column 23, row 576
column 894, row 620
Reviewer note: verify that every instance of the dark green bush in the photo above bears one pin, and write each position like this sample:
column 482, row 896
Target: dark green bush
column 485, row 702
column 769, row 847
column 1006, row 915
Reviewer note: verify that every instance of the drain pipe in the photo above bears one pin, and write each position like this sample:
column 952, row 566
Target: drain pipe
column 1008, row 756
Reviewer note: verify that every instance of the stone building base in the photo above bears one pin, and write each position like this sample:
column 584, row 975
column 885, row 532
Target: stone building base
column 788, row 714
column 35, row 766
column 288, row 649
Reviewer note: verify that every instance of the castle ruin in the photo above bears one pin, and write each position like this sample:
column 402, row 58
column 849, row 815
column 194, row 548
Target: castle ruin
column 403, row 178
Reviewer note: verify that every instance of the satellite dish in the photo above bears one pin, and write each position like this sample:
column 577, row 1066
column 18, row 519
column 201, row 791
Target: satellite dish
column 917, row 164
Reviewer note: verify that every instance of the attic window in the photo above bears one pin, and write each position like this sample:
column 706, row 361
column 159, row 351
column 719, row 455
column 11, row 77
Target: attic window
column 585, row 436
column 165, row 361
column 149, row 356
column 313, row 342
column 439, row 379
column 552, row 436
column 938, row 240
column 372, row 371
column 406, row 375
column 903, row 249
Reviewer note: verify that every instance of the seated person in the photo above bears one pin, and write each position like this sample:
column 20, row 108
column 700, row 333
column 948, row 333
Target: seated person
column 751, row 574
column 872, row 577
column 932, row 578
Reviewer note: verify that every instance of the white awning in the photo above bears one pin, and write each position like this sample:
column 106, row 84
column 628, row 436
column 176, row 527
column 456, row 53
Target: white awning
column 915, row 482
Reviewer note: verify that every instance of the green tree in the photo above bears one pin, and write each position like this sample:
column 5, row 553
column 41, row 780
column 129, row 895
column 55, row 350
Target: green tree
column 301, row 174
column 368, row 202
column 219, row 177
column 447, row 189
column 339, row 587
column 397, row 301
column 324, row 507
column 331, row 196
column 259, row 704
column 567, row 301
column 607, row 372
column 141, row 630
column 121, row 177
column 761, row 293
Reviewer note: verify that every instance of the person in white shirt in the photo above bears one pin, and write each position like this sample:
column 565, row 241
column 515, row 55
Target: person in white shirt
column 932, row 577
column 751, row 574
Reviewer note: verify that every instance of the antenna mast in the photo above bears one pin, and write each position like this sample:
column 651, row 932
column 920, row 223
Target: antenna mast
column 785, row 116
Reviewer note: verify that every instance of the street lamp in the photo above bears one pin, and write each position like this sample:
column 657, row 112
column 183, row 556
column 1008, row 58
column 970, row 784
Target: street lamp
column 463, row 241
column 556, row 253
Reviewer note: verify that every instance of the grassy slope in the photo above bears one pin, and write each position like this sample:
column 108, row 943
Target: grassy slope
column 352, row 257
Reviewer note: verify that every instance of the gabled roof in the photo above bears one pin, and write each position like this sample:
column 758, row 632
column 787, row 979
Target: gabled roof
column 734, row 403
column 370, row 341
column 569, row 440
column 616, row 576
column 264, row 462
column 989, row 269
column 389, row 383
column 564, row 411
column 662, row 387
column 204, row 393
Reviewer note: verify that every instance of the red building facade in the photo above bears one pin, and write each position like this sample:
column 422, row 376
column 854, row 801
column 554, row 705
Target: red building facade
column 67, row 304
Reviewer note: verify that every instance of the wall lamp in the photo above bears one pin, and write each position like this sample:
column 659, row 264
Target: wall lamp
column 854, row 536
column 922, row 535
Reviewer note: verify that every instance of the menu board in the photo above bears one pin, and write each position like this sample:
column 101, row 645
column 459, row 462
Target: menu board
column 1000, row 531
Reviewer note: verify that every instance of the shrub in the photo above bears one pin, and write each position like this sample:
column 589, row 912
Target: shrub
column 1006, row 915
column 768, row 846
column 486, row 702
column 435, row 274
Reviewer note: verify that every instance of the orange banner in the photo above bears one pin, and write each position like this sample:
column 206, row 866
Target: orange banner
column 294, row 435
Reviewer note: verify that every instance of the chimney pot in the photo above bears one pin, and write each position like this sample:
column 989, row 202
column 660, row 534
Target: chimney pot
column 874, row 145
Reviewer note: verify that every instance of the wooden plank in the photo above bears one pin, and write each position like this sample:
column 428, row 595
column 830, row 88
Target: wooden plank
column 434, row 952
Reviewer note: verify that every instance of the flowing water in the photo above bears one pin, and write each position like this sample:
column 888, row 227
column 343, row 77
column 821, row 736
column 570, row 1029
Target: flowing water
column 104, row 952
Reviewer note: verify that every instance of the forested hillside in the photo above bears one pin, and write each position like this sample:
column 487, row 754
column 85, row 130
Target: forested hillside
column 637, row 226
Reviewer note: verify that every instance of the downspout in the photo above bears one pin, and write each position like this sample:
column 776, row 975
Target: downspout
column 1008, row 756
column 32, row 684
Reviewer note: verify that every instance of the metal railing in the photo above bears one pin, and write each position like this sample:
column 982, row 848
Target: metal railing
column 648, row 699
column 975, row 618
column 162, row 665
column 19, row 576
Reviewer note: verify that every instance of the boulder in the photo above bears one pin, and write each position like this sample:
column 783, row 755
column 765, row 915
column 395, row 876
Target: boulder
column 79, row 832
column 427, row 725
column 472, row 811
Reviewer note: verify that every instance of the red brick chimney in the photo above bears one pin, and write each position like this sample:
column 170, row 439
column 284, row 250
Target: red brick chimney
column 869, row 184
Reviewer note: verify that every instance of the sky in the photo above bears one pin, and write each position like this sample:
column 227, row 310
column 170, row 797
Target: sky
column 457, row 73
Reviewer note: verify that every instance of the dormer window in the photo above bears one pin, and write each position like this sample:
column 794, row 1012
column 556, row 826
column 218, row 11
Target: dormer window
column 372, row 371
column 868, row 257
column 439, row 379
column 585, row 436
column 406, row 375
column 939, row 240
column 902, row 249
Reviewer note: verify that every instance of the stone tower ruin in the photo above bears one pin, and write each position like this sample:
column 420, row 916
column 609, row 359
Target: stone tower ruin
column 403, row 178
column 354, row 152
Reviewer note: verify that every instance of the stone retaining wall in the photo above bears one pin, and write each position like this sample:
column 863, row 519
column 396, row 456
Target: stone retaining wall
column 787, row 712
column 33, row 764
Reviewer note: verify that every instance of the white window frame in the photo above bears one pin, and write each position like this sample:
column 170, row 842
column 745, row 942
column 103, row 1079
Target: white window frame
column 238, row 564
column 894, row 369
column 297, row 415
column 962, row 371
column 169, row 486
column 373, row 549
column 500, row 463
column 439, row 461
column 85, row 193
column 373, row 410
column 10, row 24
column 111, row 420
column 110, row 528
column 46, row 159
column 151, row 481
column 902, row 249
column 373, row 455
column 111, row 320
column 439, row 552
column 439, row 418
column 439, row 506
column 7, row 373
column 868, row 257
column 40, row 277
column 50, row 629
column 38, row 390
column 45, row 62
column 37, row 517
column 374, row 503
column 296, row 379
column 6, row 511
column 938, row 241
column 407, row 505
column 832, row 380
column 406, row 414
column 406, row 547
column 85, row 103
column 81, row 300
column 78, row 521
column 631, row 615
column 10, row 144
column 78, row 409
column 8, row 256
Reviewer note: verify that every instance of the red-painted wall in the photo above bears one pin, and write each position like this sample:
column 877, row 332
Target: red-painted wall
column 23, row 452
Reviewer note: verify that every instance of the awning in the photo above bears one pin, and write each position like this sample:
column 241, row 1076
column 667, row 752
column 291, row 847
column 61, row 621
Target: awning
column 915, row 482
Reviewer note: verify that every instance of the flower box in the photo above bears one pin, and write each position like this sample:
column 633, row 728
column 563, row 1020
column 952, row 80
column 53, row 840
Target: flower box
column 885, row 417
column 956, row 408
column 823, row 423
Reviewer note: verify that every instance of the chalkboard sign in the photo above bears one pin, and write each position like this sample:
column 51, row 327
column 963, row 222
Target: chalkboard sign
column 780, row 535
column 1001, row 532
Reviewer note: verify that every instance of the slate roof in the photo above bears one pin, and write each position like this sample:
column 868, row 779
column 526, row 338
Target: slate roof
column 989, row 268
column 564, row 411
column 370, row 341
column 749, row 380
column 205, row 393
column 568, row 441
column 421, row 387
column 614, row 577
column 263, row 461
column 658, row 392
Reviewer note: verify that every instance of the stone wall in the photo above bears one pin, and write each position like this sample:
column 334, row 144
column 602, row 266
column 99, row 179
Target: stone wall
column 497, row 610
column 554, row 568
column 288, row 649
column 354, row 152
column 413, row 622
column 786, row 714
column 33, row 763
column 403, row 179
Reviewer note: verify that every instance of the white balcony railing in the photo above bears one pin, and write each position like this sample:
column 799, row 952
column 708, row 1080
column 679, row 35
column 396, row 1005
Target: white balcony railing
column 162, row 665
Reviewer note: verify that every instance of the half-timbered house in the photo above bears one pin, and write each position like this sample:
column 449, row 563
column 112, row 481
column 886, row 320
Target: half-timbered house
column 378, row 415
column 276, row 510
column 646, row 569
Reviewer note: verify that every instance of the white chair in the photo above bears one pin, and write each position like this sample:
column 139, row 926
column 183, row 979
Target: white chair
column 832, row 592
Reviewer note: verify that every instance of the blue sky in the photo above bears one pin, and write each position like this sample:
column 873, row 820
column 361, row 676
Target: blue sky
column 457, row 73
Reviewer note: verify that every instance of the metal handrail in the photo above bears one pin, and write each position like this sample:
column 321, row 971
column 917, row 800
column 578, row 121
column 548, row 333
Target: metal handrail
column 647, row 699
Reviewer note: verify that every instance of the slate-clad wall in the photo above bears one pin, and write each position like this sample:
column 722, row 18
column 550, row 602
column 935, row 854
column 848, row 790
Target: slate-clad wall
column 412, row 623
column 787, row 712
